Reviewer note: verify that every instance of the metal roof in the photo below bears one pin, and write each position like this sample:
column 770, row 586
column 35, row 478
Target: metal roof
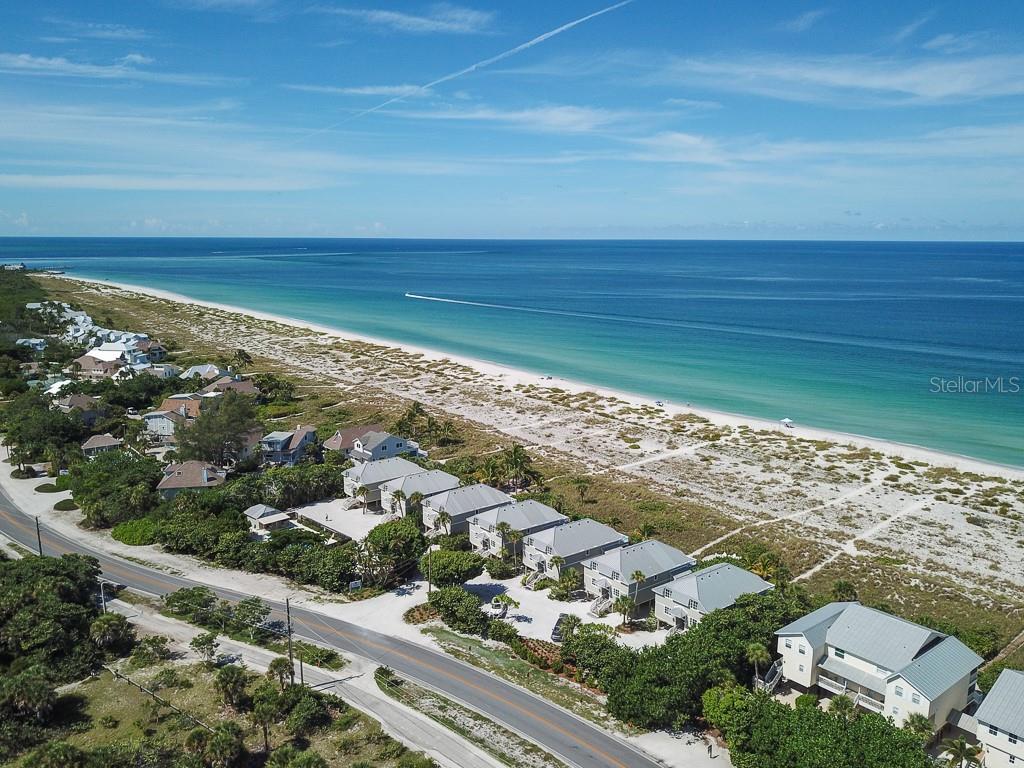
column 879, row 638
column 1003, row 707
column 652, row 558
column 576, row 537
column 377, row 472
column 816, row 623
column 257, row 511
column 461, row 502
column 522, row 515
column 427, row 483
column 940, row 667
column 715, row 587
column 849, row 672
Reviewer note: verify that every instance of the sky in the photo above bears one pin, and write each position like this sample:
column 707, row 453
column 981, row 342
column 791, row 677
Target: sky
column 525, row 118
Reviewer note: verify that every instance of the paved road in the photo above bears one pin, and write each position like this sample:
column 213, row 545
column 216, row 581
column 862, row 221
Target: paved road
column 564, row 735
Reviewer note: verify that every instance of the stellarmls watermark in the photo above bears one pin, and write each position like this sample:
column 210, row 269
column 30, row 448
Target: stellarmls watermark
column 966, row 385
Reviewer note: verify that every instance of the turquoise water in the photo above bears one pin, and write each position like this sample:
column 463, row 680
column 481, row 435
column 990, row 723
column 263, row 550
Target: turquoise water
column 857, row 337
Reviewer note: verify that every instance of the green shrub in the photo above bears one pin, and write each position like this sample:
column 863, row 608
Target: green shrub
column 450, row 568
column 136, row 533
column 454, row 542
column 65, row 505
column 498, row 568
column 502, row 632
column 459, row 609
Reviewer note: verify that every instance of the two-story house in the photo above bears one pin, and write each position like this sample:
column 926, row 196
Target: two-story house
column 635, row 571
column 189, row 476
column 374, row 446
column 884, row 663
column 458, row 505
column 98, row 444
column 395, row 494
column 549, row 552
column 687, row 599
column 371, row 475
column 287, row 448
column 343, row 441
column 1001, row 721
column 526, row 517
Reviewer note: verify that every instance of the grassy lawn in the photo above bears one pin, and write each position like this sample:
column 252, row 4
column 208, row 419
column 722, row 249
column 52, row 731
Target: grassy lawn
column 502, row 744
column 501, row 662
column 47, row 488
column 114, row 710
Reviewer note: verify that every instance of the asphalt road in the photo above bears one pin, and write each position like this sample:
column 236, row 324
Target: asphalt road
column 575, row 741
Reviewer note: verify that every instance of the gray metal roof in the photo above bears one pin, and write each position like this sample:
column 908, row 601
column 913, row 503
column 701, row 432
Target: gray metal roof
column 276, row 436
column 855, row 674
column 377, row 472
column 461, row 502
column 879, row 638
column 940, row 667
column 428, row 483
column 1003, row 707
column 371, row 440
column 715, row 587
column 258, row 511
column 576, row 537
column 652, row 558
column 521, row 516
column 815, row 624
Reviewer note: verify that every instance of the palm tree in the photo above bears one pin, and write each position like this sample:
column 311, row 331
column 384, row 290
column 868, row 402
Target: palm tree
column 624, row 605
column 843, row 591
column 280, row 669
column 645, row 531
column 519, row 466
column 514, row 537
column 241, row 359
column 504, row 530
column 264, row 714
column 637, row 577
column 444, row 520
column 230, row 681
column 225, row 746
column 414, row 504
column 398, row 501
column 757, row 655
column 843, row 708
column 961, row 754
column 362, row 492
column 493, row 472
column 507, row 600
column 447, row 434
column 920, row 725
column 196, row 741
column 557, row 562
column 582, row 484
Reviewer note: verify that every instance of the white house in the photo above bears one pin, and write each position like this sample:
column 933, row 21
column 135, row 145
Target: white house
column 395, row 494
column 885, row 664
column 263, row 519
column 374, row 446
column 285, row 447
column 161, row 425
column 1001, row 721
column 610, row 575
column 687, row 599
column 573, row 543
column 373, row 474
column 207, row 371
column 460, row 504
column 98, row 444
column 526, row 517
column 36, row 345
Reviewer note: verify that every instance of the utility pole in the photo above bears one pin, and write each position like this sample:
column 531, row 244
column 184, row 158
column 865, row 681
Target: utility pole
column 39, row 537
column 302, row 676
column 103, row 597
column 288, row 613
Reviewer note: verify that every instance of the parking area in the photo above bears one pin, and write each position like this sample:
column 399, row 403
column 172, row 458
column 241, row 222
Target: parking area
column 344, row 516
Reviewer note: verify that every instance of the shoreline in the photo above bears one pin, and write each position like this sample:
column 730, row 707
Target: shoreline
column 511, row 377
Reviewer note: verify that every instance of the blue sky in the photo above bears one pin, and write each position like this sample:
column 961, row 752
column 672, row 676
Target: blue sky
column 655, row 118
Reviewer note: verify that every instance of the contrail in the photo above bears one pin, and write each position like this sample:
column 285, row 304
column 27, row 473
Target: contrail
column 474, row 67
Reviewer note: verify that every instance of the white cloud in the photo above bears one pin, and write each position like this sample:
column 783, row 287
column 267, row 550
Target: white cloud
column 694, row 105
column 804, row 21
column 361, row 90
column 58, row 66
column 443, row 18
column 98, row 30
column 908, row 30
column 136, row 58
column 849, row 80
column 950, row 43
column 548, row 119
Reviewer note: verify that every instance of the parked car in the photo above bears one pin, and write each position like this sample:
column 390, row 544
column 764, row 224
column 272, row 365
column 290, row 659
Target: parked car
column 556, row 633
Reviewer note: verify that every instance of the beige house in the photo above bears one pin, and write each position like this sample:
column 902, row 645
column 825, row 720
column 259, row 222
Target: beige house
column 459, row 505
column 549, row 552
column 885, row 664
column 687, row 599
column 189, row 476
column 526, row 517
column 611, row 575
column 1000, row 721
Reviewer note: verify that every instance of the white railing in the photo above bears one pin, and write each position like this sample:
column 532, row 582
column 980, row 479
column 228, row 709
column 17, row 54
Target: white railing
column 600, row 606
column 771, row 678
column 533, row 578
column 868, row 703
column 831, row 685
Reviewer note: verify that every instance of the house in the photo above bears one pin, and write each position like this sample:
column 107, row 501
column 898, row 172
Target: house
column 571, row 543
column 161, row 425
column 373, row 474
column 187, row 405
column 88, row 408
column 287, row 448
column 98, row 444
column 14, row 267
column 207, row 371
column 189, row 476
column 344, row 439
column 395, row 494
column 526, row 517
column 90, row 367
column 152, row 349
column 374, row 446
column 884, row 663
column 126, row 352
column 231, row 384
column 1001, row 721
column 36, row 345
column 263, row 519
column 460, row 504
column 163, row 370
column 611, row 575
column 688, row 598
column 249, row 447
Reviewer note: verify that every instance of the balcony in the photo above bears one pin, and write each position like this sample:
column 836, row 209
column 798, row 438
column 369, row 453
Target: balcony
column 833, row 686
column 868, row 703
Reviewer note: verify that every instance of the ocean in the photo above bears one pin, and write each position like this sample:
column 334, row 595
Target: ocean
column 921, row 343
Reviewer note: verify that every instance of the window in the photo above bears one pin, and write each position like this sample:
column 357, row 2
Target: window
column 789, row 643
column 1012, row 759
column 803, row 649
column 899, row 691
column 801, row 667
column 916, row 698
column 1013, row 738
column 993, row 730
column 692, row 604
column 839, row 653
column 895, row 710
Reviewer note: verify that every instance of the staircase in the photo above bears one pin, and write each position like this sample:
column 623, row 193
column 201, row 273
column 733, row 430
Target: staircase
column 772, row 678
column 600, row 606
column 532, row 579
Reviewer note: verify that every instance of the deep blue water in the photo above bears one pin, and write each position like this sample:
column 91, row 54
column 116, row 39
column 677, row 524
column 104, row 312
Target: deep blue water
column 846, row 336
